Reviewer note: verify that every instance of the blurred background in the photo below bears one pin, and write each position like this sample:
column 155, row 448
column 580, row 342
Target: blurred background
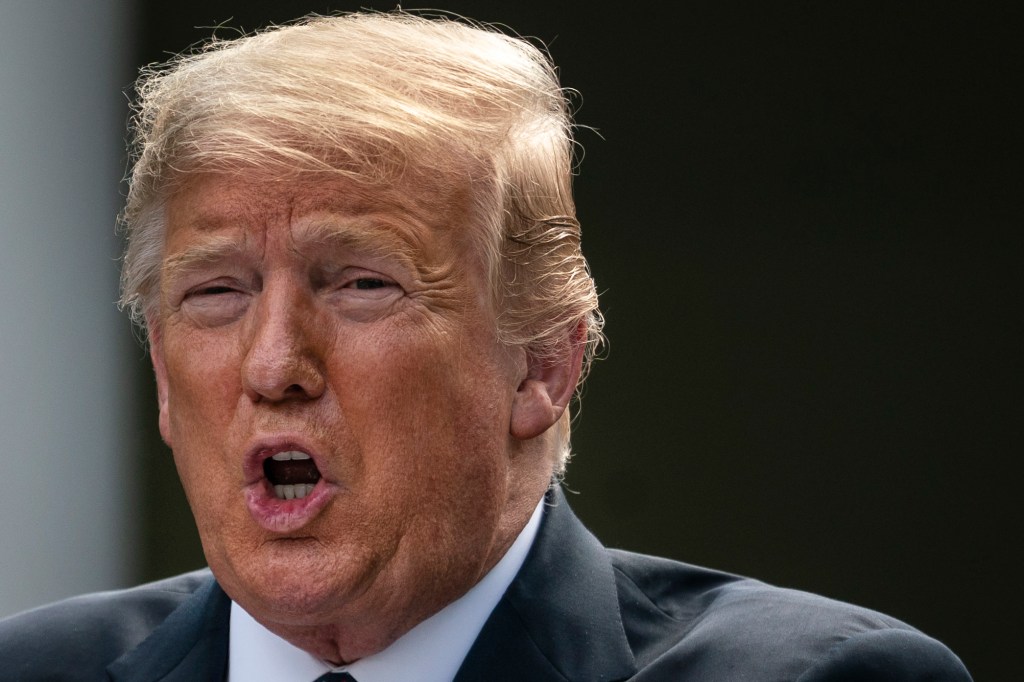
column 805, row 223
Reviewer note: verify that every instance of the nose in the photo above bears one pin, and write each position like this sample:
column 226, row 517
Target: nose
column 283, row 359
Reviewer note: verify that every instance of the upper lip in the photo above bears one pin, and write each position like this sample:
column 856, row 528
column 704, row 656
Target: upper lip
column 266, row 447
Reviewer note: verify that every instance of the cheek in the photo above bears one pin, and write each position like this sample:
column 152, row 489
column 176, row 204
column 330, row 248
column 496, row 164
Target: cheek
column 203, row 387
column 203, row 371
column 428, row 403
column 437, row 381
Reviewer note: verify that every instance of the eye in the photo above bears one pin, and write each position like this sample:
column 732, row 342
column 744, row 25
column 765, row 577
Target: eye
column 369, row 283
column 215, row 303
column 355, row 288
column 213, row 290
column 356, row 281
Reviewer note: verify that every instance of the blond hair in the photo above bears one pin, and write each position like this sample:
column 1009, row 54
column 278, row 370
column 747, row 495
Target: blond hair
column 369, row 96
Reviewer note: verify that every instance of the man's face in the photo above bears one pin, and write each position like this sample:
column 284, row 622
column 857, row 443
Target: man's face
column 350, row 329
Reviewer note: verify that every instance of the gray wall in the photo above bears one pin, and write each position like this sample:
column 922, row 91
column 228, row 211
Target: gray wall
column 66, row 521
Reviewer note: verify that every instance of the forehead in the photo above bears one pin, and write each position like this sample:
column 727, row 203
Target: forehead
column 414, row 213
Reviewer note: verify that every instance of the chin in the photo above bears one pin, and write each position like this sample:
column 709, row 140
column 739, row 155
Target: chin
column 296, row 582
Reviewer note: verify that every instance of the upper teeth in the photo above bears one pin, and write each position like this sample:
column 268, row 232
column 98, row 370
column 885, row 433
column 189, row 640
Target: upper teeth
column 291, row 454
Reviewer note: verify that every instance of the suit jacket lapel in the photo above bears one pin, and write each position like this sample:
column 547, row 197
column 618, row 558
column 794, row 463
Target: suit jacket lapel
column 559, row 619
column 191, row 645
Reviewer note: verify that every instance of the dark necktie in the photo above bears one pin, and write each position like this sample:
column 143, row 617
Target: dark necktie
column 335, row 677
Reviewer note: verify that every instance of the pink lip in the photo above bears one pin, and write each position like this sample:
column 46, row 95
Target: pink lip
column 272, row 514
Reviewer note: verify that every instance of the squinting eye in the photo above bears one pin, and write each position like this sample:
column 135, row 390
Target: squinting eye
column 209, row 291
column 216, row 303
column 370, row 283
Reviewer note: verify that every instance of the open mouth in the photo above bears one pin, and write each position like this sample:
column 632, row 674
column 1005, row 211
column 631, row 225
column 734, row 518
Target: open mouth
column 292, row 474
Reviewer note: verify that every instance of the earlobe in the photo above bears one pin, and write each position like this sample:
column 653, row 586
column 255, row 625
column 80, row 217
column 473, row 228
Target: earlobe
column 545, row 392
column 160, row 371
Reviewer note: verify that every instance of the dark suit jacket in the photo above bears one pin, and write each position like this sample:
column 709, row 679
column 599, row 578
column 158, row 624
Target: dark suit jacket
column 576, row 611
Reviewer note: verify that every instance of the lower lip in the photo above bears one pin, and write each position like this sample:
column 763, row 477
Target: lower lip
column 286, row 516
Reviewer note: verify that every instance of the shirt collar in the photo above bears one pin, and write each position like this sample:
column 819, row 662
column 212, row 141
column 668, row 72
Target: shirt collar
column 430, row 652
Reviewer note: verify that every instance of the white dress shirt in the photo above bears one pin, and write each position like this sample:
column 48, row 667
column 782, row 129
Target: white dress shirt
column 430, row 652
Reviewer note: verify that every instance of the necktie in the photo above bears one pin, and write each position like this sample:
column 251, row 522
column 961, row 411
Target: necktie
column 335, row 677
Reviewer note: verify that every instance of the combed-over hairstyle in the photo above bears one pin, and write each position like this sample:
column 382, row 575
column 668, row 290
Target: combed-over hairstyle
column 371, row 96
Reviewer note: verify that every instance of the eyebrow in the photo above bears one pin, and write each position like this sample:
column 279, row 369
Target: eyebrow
column 362, row 233
column 212, row 250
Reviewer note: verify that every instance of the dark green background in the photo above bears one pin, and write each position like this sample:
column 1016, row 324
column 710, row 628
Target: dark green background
column 805, row 224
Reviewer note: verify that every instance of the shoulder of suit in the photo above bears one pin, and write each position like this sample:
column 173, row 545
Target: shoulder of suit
column 77, row 638
column 713, row 625
column 702, row 596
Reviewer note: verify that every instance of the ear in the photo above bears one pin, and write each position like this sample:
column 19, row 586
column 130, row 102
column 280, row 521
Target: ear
column 156, row 355
column 545, row 392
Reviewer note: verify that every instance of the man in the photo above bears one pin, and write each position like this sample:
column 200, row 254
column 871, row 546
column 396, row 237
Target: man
column 353, row 246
